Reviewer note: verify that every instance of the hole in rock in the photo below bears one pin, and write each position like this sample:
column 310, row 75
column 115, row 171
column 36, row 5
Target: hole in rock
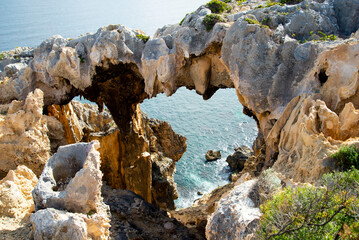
column 64, row 171
column 217, row 124
column 322, row 76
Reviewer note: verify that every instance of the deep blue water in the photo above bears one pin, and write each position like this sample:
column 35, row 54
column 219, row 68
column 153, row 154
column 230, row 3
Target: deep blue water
column 217, row 123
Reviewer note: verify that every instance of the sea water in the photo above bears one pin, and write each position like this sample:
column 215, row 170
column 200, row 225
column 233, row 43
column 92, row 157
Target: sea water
column 217, row 123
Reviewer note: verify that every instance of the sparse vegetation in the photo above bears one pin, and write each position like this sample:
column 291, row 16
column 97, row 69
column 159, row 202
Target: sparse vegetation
column 82, row 59
column 210, row 20
column 183, row 19
column 217, row 6
column 330, row 211
column 2, row 56
column 325, row 37
column 252, row 21
column 144, row 38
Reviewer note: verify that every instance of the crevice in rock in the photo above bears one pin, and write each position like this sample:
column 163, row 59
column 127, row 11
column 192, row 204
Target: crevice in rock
column 322, row 76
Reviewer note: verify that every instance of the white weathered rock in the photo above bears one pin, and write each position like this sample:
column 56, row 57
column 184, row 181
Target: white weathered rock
column 71, row 179
column 15, row 192
column 55, row 224
column 236, row 216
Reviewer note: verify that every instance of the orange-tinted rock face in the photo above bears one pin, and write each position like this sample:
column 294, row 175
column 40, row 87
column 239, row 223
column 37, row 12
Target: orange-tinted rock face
column 142, row 161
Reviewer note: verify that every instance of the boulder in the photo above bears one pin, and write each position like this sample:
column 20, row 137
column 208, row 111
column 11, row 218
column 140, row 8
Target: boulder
column 15, row 193
column 236, row 216
column 213, row 155
column 237, row 160
column 71, row 182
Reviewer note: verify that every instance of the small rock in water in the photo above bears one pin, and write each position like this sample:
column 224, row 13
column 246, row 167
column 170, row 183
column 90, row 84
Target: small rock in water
column 213, row 155
column 199, row 193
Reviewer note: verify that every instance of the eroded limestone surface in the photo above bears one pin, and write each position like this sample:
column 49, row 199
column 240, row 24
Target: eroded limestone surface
column 68, row 195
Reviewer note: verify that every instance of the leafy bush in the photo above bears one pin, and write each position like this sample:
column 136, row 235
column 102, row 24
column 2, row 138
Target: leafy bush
column 144, row 38
column 346, row 157
column 308, row 212
column 1, row 56
column 217, row 6
column 210, row 20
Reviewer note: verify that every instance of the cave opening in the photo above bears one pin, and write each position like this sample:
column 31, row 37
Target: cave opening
column 217, row 123
column 322, row 76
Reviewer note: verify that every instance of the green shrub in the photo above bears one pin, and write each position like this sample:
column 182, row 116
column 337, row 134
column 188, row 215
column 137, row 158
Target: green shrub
column 217, row 6
column 227, row 1
column 210, row 20
column 2, row 56
column 183, row 19
column 346, row 157
column 308, row 212
column 252, row 21
column 144, row 38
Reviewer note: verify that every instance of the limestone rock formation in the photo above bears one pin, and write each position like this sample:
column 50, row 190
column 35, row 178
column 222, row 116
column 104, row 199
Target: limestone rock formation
column 23, row 135
column 84, row 122
column 51, row 223
column 15, row 193
column 213, row 155
column 134, row 218
column 237, row 160
column 71, row 181
column 307, row 134
column 236, row 216
column 268, row 66
column 166, row 148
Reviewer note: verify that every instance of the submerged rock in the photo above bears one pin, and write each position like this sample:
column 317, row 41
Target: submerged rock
column 213, row 155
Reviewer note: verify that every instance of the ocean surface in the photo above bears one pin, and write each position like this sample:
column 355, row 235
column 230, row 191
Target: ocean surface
column 217, row 123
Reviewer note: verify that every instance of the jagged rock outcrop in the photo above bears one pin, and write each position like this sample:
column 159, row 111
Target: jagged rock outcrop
column 166, row 148
column 134, row 218
column 84, row 122
column 306, row 135
column 71, row 181
column 23, row 135
column 237, row 160
column 15, row 193
column 236, row 216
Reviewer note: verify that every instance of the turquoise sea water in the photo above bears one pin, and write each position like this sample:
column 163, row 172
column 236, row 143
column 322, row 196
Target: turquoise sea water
column 217, row 123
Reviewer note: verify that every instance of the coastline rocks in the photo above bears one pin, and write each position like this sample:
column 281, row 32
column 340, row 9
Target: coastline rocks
column 236, row 216
column 134, row 218
column 237, row 160
column 23, row 135
column 213, row 155
column 71, row 181
column 15, row 193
